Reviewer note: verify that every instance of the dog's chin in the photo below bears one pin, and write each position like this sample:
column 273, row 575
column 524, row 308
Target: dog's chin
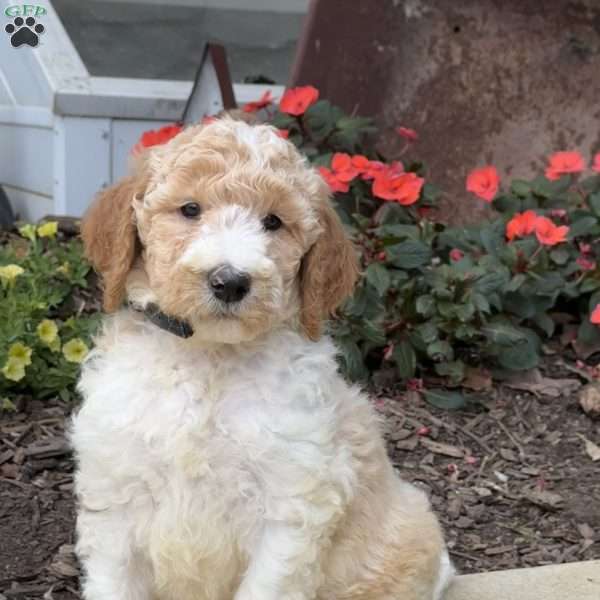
column 230, row 329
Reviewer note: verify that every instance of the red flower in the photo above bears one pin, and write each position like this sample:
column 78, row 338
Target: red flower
column 297, row 100
column 208, row 120
column 521, row 224
column 407, row 133
column 403, row 188
column 586, row 263
column 595, row 316
column 484, row 183
column 596, row 164
column 335, row 185
column 548, row 233
column 265, row 100
column 343, row 167
column 561, row 163
column 156, row 137
column 381, row 256
column 283, row 133
column 456, row 254
column 585, row 248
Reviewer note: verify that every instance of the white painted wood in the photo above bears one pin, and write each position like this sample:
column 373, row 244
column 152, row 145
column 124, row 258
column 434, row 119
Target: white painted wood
column 125, row 135
column 27, row 205
column 205, row 98
column 82, row 162
column 26, row 157
column 123, row 98
column 126, row 99
column 6, row 95
column 33, row 116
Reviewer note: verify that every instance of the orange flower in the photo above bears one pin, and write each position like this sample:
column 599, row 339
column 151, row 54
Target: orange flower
column 283, row 133
column 265, row 100
column 297, row 100
column 596, row 164
column 548, row 233
column 157, row 137
column 595, row 316
column 561, row 163
column 404, row 188
column 484, row 183
column 335, row 185
column 521, row 224
column 407, row 133
column 373, row 170
column 343, row 167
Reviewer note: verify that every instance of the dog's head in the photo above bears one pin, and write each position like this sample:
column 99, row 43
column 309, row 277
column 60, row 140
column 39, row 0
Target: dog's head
column 225, row 227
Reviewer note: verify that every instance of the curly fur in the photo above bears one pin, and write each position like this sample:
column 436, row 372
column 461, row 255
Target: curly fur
column 236, row 464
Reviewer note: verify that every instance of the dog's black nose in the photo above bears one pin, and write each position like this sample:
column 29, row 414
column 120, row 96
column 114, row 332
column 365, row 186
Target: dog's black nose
column 229, row 284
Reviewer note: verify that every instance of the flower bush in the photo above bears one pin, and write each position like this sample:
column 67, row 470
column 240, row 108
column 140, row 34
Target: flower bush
column 444, row 300
column 44, row 333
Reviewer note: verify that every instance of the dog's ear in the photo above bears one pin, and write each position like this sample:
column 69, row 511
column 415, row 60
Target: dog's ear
column 328, row 272
column 110, row 237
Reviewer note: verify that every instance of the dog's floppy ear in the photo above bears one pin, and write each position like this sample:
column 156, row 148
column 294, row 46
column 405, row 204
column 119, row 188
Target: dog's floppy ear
column 110, row 237
column 328, row 273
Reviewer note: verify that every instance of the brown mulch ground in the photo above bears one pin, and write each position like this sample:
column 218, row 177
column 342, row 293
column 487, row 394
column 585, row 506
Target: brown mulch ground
column 512, row 484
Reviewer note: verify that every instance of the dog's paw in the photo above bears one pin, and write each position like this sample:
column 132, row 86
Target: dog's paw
column 24, row 31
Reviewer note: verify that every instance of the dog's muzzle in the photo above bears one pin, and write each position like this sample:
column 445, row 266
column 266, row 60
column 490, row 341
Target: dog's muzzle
column 228, row 284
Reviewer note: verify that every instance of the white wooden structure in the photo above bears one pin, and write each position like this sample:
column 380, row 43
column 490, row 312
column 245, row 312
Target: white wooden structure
column 65, row 134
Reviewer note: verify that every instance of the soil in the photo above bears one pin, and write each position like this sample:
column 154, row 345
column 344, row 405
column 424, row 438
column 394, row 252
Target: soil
column 510, row 480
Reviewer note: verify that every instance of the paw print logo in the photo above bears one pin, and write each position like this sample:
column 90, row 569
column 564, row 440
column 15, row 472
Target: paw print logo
column 24, row 32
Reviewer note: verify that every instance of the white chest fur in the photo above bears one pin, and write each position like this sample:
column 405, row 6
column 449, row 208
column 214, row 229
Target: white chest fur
column 196, row 450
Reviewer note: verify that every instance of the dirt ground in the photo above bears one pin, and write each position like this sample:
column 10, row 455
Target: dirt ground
column 510, row 480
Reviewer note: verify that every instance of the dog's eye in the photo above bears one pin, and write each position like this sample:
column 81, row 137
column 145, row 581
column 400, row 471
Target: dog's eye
column 190, row 210
column 272, row 222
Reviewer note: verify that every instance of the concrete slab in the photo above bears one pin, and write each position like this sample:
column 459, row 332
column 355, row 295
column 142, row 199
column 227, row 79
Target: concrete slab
column 572, row 581
column 164, row 41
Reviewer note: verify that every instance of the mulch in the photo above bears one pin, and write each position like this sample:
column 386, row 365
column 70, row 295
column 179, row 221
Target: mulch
column 509, row 478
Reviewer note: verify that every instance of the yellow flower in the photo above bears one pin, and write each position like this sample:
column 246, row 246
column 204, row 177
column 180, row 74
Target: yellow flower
column 48, row 229
column 9, row 273
column 47, row 331
column 21, row 353
column 7, row 405
column 14, row 369
column 64, row 269
column 28, row 231
column 75, row 350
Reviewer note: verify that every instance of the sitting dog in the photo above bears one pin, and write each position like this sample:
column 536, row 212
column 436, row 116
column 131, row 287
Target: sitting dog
column 220, row 454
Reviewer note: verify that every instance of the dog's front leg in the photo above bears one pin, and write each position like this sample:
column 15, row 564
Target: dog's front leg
column 287, row 562
column 112, row 570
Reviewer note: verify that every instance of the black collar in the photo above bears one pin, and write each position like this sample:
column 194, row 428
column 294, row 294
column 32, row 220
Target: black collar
column 173, row 325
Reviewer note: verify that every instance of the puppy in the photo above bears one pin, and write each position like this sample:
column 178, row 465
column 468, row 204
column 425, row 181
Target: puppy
column 220, row 454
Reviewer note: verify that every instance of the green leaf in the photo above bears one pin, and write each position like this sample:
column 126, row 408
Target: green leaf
column 440, row 350
column 507, row 204
column 521, row 356
column 409, row 255
column 455, row 370
column 491, row 282
column 545, row 323
column 560, row 256
column 502, row 333
column 594, row 202
column 378, row 276
column 492, row 237
column 427, row 332
column 405, row 359
column 516, row 282
column 430, row 193
column 520, row 188
column 351, row 359
column 445, row 400
column 425, row 305
column 582, row 226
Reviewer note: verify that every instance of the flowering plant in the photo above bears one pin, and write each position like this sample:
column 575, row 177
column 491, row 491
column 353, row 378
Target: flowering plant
column 44, row 335
column 450, row 300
